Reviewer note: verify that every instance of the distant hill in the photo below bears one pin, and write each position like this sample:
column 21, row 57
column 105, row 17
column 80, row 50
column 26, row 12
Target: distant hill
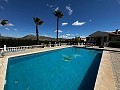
column 42, row 38
column 32, row 37
column 5, row 37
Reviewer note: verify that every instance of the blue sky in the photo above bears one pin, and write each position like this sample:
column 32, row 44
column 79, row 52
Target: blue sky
column 81, row 17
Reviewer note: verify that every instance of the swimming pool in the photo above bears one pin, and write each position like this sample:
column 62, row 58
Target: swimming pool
column 64, row 69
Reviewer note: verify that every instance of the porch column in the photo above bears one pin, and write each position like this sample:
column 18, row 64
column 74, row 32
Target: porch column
column 102, row 42
column 5, row 48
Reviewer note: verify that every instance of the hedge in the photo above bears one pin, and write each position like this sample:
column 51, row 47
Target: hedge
column 114, row 44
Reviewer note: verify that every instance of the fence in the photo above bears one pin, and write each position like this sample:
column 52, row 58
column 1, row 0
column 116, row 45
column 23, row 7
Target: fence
column 20, row 48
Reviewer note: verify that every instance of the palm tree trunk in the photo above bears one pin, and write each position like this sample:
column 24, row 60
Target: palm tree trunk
column 57, row 28
column 37, row 35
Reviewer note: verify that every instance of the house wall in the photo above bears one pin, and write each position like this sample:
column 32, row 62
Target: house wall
column 96, row 41
column 97, row 38
column 115, row 38
column 90, row 39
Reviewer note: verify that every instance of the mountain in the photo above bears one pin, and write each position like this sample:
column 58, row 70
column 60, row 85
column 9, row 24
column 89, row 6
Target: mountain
column 6, row 37
column 32, row 37
column 42, row 38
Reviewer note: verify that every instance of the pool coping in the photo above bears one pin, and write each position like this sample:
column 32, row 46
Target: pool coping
column 100, row 75
column 105, row 78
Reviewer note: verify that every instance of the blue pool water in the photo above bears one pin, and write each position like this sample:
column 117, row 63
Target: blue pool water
column 64, row 69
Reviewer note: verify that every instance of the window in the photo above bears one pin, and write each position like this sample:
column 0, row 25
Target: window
column 105, row 38
column 109, row 38
column 87, row 38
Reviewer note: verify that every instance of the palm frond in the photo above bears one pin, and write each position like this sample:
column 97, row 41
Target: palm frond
column 58, row 14
column 34, row 19
column 41, row 22
column 38, row 21
column 4, row 22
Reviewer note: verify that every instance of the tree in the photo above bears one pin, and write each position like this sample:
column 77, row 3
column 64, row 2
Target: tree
column 59, row 15
column 4, row 22
column 77, row 39
column 38, row 22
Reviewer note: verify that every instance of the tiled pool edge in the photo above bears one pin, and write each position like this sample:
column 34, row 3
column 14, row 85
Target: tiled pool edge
column 105, row 79
column 3, row 72
column 3, row 67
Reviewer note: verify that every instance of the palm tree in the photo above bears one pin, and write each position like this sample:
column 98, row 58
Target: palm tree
column 58, row 14
column 38, row 22
column 4, row 22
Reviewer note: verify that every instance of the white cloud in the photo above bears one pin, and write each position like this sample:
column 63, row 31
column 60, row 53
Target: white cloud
column 59, row 31
column 47, row 4
column 105, row 31
column 31, row 33
column 64, row 36
column 68, row 31
column 7, row 29
column 70, row 11
column 6, row 1
column 108, row 31
column 46, row 35
column 64, row 24
column 83, row 36
column 68, row 35
column 15, row 29
column 77, row 23
column 118, row 1
column 90, row 20
column 9, row 24
column 57, row 8
column 50, row 6
column 1, row 7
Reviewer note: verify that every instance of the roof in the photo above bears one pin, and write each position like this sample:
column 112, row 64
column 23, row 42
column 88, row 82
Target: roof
column 98, row 34
column 102, row 34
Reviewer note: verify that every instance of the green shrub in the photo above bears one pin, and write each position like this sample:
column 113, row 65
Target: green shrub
column 114, row 44
column 16, row 42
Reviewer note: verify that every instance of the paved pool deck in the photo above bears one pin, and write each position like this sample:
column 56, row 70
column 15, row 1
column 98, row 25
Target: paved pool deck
column 108, row 77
